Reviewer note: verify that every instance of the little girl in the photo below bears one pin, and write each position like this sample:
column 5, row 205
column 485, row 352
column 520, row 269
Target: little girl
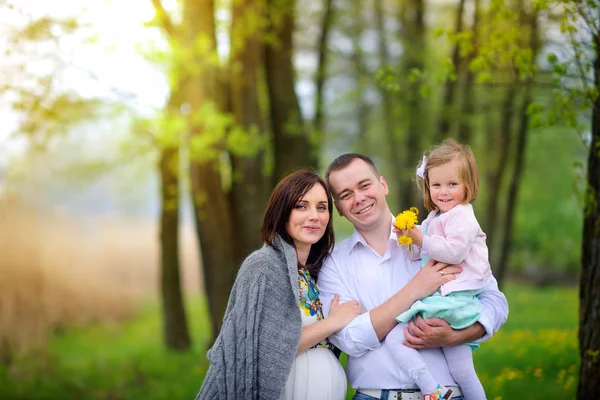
column 450, row 234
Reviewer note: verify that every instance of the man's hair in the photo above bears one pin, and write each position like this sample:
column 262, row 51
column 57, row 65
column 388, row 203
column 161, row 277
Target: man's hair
column 447, row 151
column 286, row 195
column 344, row 160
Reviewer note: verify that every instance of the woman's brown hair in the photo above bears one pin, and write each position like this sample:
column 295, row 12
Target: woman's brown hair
column 286, row 195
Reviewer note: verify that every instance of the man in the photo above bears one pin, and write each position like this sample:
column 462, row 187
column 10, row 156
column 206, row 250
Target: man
column 372, row 268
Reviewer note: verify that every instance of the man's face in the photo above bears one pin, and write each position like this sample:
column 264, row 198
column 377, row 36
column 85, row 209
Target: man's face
column 360, row 195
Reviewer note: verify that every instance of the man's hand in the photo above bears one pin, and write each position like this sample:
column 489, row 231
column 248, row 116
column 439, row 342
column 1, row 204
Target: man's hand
column 423, row 334
column 435, row 332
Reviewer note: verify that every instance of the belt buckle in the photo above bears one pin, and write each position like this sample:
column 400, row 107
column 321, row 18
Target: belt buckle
column 408, row 395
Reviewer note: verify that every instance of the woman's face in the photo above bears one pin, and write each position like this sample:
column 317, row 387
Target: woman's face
column 309, row 218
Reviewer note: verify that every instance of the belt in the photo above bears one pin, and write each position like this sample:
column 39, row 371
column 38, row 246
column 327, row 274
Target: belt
column 404, row 394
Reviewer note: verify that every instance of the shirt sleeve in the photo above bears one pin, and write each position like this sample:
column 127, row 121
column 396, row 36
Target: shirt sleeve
column 494, row 308
column 460, row 232
column 358, row 337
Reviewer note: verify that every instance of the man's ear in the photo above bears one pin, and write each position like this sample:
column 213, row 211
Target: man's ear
column 338, row 208
column 384, row 184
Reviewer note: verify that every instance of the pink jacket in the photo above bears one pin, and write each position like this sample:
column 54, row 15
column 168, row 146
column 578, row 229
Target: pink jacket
column 455, row 237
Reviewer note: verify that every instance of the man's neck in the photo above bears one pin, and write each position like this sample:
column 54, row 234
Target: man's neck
column 378, row 237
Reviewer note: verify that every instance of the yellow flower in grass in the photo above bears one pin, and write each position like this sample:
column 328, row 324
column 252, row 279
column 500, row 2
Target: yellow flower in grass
column 405, row 240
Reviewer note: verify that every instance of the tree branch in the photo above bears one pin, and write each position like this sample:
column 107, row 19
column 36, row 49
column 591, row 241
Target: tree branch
column 163, row 18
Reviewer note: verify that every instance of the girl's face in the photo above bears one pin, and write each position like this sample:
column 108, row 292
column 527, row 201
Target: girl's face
column 308, row 220
column 445, row 186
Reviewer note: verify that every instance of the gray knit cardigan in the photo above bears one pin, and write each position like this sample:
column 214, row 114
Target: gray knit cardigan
column 254, row 352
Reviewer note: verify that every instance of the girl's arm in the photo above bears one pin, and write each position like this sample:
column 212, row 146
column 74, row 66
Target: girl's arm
column 416, row 235
column 460, row 231
column 339, row 316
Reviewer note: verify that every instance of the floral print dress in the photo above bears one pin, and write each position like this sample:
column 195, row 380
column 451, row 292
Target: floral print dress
column 316, row 373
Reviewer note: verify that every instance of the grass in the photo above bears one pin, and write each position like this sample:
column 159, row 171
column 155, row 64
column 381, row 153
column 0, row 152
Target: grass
column 114, row 361
column 534, row 356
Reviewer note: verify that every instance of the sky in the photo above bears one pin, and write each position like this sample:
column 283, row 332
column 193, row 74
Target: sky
column 111, row 67
column 113, row 63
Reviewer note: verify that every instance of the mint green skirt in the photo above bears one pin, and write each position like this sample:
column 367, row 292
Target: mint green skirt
column 459, row 309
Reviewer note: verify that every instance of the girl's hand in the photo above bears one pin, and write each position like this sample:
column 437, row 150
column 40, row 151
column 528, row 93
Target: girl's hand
column 429, row 279
column 414, row 232
column 341, row 314
column 416, row 235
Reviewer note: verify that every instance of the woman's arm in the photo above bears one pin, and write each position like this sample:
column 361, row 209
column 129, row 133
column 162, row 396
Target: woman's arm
column 339, row 316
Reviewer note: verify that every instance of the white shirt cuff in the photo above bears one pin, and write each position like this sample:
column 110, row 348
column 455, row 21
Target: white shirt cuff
column 361, row 332
column 488, row 325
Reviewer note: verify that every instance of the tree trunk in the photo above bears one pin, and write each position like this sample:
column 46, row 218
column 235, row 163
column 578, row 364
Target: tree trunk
column 515, row 180
column 291, row 145
column 212, row 207
column 468, row 104
column 387, row 108
column 359, row 69
column 175, row 325
column 321, row 74
column 492, row 178
column 513, row 188
column 589, row 292
column 413, row 40
column 496, row 174
column 249, row 188
column 444, row 125
column 215, row 231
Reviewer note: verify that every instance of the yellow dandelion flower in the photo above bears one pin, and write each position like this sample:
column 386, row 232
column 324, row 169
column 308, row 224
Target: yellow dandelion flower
column 406, row 220
column 405, row 240
column 415, row 210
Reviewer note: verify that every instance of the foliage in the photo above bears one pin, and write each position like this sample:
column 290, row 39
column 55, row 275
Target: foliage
column 553, row 201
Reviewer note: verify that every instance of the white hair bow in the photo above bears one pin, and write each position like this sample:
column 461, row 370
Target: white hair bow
column 421, row 169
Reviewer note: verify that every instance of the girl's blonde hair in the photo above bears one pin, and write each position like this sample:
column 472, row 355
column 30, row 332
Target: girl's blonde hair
column 447, row 151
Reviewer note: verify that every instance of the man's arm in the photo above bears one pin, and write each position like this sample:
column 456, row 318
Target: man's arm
column 366, row 331
column 436, row 332
column 358, row 337
column 427, row 281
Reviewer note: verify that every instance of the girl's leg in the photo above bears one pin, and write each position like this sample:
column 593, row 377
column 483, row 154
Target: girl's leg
column 460, row 363
column 410, row 360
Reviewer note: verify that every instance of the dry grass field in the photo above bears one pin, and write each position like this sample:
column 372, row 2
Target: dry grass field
column 57, row 271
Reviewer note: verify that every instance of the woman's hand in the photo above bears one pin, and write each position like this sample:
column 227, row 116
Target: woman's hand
column 341, row 314
column 429, row 279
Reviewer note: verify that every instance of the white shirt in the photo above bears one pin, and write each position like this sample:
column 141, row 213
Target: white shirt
column 357, row 272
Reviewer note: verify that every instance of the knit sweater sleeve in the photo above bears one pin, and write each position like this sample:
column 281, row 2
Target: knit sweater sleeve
column 235, row 351
column 460, row 232
column 255, row 349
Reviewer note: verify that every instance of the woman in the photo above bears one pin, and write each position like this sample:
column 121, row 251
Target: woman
column 273, row 343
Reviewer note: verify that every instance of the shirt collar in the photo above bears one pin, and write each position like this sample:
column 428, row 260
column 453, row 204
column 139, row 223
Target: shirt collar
column 358, row 238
